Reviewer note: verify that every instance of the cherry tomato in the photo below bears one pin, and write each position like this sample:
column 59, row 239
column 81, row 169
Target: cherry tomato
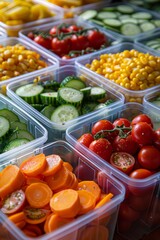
column 57, row 30
column 142, row 118
column 14, row 202
column 121, row 121
column 79, row 42
column 43, row 41
column 122, row 161
column 74, row 28
column 127, row 213
column 139, row 203
column 60, row 46
column 96, row 39
column 66, row 57
column 149, row 157
column 86, row 139
column 140, row 173
column 142, row 133
column 102, row 147
column 31, row 35
column 126, row 144
column 157, row 138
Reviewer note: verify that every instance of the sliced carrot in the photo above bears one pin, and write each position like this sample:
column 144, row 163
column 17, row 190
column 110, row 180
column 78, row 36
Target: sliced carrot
column 65, row 203
column 11, row 179
column 29, row 233
column 34, row 165
column 74, row 183
column 34, row 228
column 35, row 215
column 46, row 230
column 68, row 166
column 21, row 224
column 38, row 194
column 95, row 232
column 17, row 217
column 87, row 201
column 30, row 180
column 104, row 200
column 92, row 187
column 56, row 222
column 54, row 163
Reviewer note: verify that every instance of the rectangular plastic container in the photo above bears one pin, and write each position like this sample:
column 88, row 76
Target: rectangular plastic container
column 119, row 36
column 74, row 230
column 12, row 31
column 2, row 33
column 130, row 95
column 34, row 127
column 52, row 63
column 71, row 21
column 57, row 131
column 142, row 195
column 148, row 98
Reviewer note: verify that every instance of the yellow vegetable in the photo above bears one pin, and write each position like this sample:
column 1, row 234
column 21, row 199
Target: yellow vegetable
column 18, row 13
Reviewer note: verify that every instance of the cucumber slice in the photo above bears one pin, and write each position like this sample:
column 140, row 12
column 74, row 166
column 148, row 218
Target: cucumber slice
column 37, row 106
column 70, row 95
column 51, row 84
column 104, row 15
column 150, row 43
column 156, row 103
column 10, row 115
column 124, row 16
column 97, row 93
column 142, row 15
column 112, row 22
column 73, row 82
column 130, row 29
column 109, row 9
column 125, row 9
column 86, row 92
column 147, row 26
column 49, row 98
column 30, row 92
column 100, row 23
column 64, row 113
column 89, row 14
column 88, row 107
column 129, row 20
column 47, row 111
column 156, row 22
column 18, row 126
column 4, row 126
column 21, row 134
column 15, row 143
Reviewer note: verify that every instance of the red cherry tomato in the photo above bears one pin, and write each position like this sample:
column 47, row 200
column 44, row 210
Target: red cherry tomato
column 57, row 30
column 66, row 57
column 139, row 203
column 149, row 157
column 86, row 139
column 96, row 39
column 140, row 173
column 121, row 121
column 60, row 47
column 14, row 202
column 31, row 35
column 142, row 133
column 157, row 138
column 74, row 28
column 43, row 41
column 122, row 161
column 79, row 42
column 102, row 147
column 127, row 213
column 142, row 118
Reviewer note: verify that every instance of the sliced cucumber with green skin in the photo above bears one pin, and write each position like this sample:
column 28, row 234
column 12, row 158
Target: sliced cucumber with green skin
column 88, row 107
column 129, row 20
column 86, row 92
column 97, row 93
column 15, row 143
column 9, row 115
column 130, row 29
column 98, row 22
column 88, row 14
column 70, row 95
column 142, row 15
column 73, row 82
column 4, row 126
column 104, row 15
column 49, row 98
column 125, row 9
column 64, row 113
column 21, row 134
column 30, row 92
column 147, row 26
column 37, row 106
column 51, row 84
column 156, row 103
column 112, row 22
column 156, row 22
column 47, row 111
column 109, row 9
column 18, row 125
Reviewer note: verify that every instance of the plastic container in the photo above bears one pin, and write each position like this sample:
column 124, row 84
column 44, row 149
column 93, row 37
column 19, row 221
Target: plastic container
column 57, row 131
column 130, row 95
column 147, row 101
column 151, row 5
column 34, row 127
column 118, row 35
column 47, row 27
column 75, row 229
column 147, row 215
column 12, row 31
column 51, row 61
column 2, row 33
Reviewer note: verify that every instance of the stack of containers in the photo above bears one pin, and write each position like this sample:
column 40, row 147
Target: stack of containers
column 151, row 100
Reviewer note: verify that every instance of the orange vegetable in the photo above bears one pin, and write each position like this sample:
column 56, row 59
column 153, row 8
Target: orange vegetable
column 21, row 224
column 95, row 232
column 87, row 201
column 29, row 233
column 11, row 179
column 65, row 203
column 30, row 180
column 34, row 228
column 17, row 217
column 104, row 200
column 46, row 230
column 54, row 163
column 56, row 222
column 34, row 165
column 68, row 166
column 74, row 183
column 92, row 187
column 38, row 194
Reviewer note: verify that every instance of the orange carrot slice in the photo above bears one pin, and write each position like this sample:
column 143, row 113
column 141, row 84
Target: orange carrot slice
column 95, row 232
column 21, row 224
column 46, row 230
column 34, row 165
column 29, row 233
column 56, row 222
column 54, row 163
column 87, row 201
column 68, row 166
column 11, row 179
column 17, row 217
column 38, row 194
column 104, row 200
column 65, row 203
column 92, row 187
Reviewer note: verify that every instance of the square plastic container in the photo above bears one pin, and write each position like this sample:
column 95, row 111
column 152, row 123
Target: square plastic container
column 52, row 62
column 46, row 27
column 2, row 33
column 117, row 34
column 12, row 31
column 34, row 127
column 130, row 95
column 142, row 195
column 105, row 215
column 147, row 101
column 57, row 131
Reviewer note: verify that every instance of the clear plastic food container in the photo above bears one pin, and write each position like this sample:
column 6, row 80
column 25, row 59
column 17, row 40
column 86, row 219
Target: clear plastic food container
column 142, row 195
column 57, row 131
column 72, row 21
column 115, row 27
column 12, row 31
column 130, row 95
column 51, row 62
column 152, row 100
column 105, row 216
column 34, row 127
column 2, row 33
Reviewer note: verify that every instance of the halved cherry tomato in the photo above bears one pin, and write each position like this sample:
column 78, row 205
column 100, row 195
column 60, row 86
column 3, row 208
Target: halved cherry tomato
column 14, row 202
column 122, row 161
column 142, row 118
column 86, row 139
column 96, row 39
column 79, row 42
column 43, row 41
column 61, row 46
